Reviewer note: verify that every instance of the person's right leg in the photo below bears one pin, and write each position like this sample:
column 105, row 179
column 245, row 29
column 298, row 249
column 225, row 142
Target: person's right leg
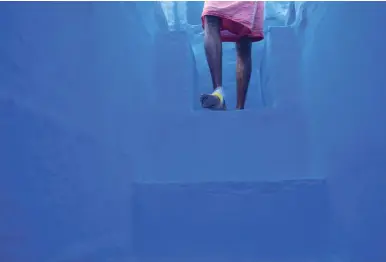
column 213, row 51
column 243, row 70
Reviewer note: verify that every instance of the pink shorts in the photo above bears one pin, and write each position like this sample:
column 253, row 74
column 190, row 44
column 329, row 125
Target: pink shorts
column 238, row 19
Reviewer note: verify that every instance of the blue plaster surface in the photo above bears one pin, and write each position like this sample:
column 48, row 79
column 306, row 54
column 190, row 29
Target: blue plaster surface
column 105, row 154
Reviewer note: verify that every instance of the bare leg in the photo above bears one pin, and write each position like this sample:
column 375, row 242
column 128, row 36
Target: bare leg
column 213, row 49
column 243, row 70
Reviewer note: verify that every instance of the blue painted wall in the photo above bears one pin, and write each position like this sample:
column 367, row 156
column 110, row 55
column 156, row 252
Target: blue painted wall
column 105, row 154
column 344, row 86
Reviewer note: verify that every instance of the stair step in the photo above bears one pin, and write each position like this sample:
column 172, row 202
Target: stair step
column 262, row 145
column 280, row 67
column 242, row 220
column 175, row 75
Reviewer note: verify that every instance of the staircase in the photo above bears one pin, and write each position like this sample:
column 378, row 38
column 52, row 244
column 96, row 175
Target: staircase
column 247, row 195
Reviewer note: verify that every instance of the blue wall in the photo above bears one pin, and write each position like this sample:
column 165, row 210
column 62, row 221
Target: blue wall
column 344, row 86
column 105, row 154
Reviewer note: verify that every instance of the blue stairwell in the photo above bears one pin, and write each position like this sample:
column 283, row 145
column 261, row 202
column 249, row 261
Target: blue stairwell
column 106, row 156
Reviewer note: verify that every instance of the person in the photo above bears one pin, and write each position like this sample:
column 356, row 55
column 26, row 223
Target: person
column 232, row 21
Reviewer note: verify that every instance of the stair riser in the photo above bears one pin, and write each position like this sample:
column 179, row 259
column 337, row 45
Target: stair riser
column 231, row 219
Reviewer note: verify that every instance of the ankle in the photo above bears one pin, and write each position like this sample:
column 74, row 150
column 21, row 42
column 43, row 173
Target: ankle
column 219, row 89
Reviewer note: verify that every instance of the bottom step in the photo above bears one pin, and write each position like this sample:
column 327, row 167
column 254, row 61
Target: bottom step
column 235, row 220
column 235, row 259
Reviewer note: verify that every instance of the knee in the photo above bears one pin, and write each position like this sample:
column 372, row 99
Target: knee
column 244, row 46
column 212, row 22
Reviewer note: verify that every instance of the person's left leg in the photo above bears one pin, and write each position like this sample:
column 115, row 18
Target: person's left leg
column 243, row 69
